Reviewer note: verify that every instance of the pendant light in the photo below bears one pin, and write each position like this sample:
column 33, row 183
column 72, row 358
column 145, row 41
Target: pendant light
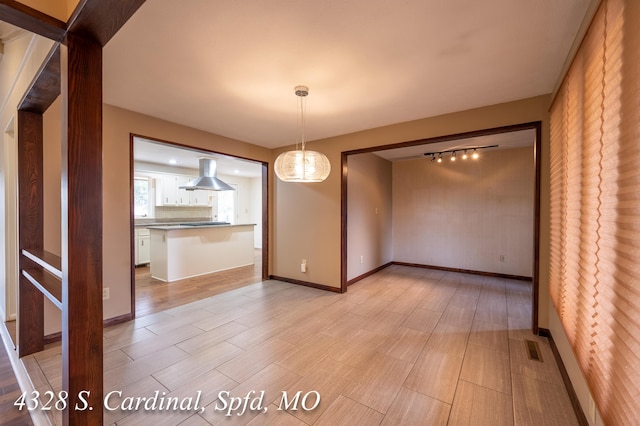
column 302, row 165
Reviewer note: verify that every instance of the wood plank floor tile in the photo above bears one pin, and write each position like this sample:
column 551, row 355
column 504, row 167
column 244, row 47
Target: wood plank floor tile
column 439, row 296
column 303, row 329
column 142, row 367
column 145, row 387
column 212, row 337
column 274, row 417
column 372, row 308
column 385, row 323
column 258, row 334
column 487, row 367
column 329, row 378
column 309, row 354
column 413, row 408
column 191, row 367
column 127, row 338
column 448, row 339
column 355, row 349
column 458, row 318
column 272, row 380
column 423, row 320
column 346, row 412
column 155, row 343
column 545, row 370
column 541, row 403
column 409, row 300
column 217, row 319
column 195, row 420
column 435, row 374
column 489, row 335
column 377, row 383
column 404, row 343
column 476, row 405
column 400, row 346
column 246, row 364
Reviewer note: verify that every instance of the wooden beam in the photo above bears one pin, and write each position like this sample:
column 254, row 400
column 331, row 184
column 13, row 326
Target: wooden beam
column 33, row 20
column 31, row 214
column 82, row 361
column 45, row 87
column 102, row 19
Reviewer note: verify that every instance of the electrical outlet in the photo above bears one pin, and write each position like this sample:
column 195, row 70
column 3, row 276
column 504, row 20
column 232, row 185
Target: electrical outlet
column 502, row 258
column 361, row 259
column 105, row 293
column 303, row 266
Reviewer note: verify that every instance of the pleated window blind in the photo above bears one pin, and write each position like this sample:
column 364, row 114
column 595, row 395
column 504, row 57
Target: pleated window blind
column 595, row 209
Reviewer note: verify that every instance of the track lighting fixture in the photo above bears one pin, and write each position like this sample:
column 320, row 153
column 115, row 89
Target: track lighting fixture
column 437, row 156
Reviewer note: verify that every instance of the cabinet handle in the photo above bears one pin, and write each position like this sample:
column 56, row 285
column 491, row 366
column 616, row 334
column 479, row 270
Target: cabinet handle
column 141, row 242
column 167, row 198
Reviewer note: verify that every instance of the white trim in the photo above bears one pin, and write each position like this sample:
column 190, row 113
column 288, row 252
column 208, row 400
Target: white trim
column 18, row 74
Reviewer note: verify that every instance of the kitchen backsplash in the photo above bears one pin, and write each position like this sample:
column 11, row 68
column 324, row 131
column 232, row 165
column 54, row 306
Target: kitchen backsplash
column 183, row 212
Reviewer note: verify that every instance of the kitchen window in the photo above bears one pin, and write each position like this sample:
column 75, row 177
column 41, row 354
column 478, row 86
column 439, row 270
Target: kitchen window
column 141, row 199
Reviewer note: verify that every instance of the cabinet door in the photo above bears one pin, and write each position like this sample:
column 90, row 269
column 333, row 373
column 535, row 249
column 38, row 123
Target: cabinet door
column 200, row 198
column 143, row 252
column 166, row 190
column 183, row 197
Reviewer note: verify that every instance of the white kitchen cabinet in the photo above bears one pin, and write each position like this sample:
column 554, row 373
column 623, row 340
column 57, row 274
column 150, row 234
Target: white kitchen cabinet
column 183, row 197
column 167, row 190
column 142, row 246
column 201, row 198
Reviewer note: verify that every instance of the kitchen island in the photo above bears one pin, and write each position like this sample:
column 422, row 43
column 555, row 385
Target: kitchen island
column 191, row 249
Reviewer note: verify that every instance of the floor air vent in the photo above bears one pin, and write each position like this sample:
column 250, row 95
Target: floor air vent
column 533, row 350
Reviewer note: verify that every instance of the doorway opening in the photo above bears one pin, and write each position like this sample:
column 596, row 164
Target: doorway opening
column 9, row 229
column 160, row 172
column 450, row 148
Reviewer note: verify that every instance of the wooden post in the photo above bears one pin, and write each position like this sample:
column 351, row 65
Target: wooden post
column 82, row 228
column 31, row 214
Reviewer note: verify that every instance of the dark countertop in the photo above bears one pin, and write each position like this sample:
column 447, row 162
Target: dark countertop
column 175, row 226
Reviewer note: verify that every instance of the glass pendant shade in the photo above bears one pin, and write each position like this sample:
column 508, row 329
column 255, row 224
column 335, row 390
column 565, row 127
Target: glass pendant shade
column 302, row 166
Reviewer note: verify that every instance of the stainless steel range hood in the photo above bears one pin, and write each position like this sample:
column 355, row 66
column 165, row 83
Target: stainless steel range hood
column 207, row 179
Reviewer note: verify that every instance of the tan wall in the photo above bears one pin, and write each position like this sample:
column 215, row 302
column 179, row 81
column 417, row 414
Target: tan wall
column 60, row 9
column 117, row 126
column 22, row 58
column 52, row 149
column 307, row 216
column 466, row 214
column 369, row 240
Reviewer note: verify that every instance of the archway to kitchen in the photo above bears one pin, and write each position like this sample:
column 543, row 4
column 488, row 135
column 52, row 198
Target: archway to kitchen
column 189, row 245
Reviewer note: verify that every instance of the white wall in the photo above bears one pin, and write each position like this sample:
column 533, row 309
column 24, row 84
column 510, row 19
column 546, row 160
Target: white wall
column 369, row 239
column 466, row 214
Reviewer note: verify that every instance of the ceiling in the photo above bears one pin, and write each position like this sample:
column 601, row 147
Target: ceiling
column 517, row 139
column 230, row 67
column 148, row 151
